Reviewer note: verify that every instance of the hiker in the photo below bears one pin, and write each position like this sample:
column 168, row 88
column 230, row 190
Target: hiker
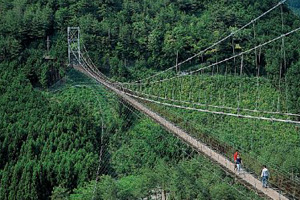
column 238, row 163
column 265, row 176
column 235, row 157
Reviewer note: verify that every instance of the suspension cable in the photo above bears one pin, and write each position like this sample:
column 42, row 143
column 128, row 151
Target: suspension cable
column 219, row 62
column 212, row 46
column 214, row 112
column 231, row 114
column 213, row 106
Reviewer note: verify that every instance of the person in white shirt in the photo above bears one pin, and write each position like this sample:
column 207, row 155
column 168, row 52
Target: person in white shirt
column 265, row 176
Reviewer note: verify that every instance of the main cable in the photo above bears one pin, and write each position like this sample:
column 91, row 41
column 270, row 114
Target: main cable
column 219, row 62
column 213, row 45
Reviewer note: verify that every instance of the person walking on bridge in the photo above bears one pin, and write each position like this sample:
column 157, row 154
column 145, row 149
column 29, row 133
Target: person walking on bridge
column 238, row 163
column 235, row 157
column 265, row 176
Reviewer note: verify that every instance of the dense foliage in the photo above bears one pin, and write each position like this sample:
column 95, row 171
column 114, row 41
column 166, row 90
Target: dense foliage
column 50, row 140
column 46, row 140
column 124, row 34
column 189, row 179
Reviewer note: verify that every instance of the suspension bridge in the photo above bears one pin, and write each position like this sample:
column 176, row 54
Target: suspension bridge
column 220, row 82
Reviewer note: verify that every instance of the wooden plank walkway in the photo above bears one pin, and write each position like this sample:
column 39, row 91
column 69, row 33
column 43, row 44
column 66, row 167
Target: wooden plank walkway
column 199, row 146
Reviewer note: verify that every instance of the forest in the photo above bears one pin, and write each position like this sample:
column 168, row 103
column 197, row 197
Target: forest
column 54, row 121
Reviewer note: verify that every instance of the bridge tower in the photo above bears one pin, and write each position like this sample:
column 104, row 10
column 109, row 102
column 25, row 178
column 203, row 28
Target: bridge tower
column 74, row 45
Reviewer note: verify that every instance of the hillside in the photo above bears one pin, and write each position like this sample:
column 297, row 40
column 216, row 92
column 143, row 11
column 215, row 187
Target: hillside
column 51, row 130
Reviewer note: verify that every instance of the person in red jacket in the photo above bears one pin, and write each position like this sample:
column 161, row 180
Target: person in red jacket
column 235, row 155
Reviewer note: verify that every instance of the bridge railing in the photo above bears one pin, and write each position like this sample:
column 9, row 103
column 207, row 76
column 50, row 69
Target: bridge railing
column 288, row 184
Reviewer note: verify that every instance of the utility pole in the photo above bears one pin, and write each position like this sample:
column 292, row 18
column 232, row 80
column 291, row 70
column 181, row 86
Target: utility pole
column 48, row 45
column 47, row 55
column 177, row 69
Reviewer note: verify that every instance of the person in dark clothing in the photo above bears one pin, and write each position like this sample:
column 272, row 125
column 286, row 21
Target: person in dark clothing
column 238, row 163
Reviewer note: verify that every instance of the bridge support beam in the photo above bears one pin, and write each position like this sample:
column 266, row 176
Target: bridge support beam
column 74, row 46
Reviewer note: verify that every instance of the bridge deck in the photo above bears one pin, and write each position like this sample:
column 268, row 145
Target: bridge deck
column 199, row 146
